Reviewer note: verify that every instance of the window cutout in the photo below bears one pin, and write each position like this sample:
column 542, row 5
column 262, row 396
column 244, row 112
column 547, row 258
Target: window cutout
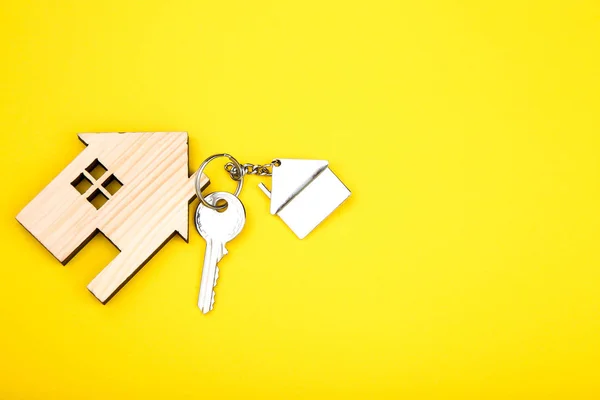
column 97, row 198
column 112, row 185
column 96, row 169
column 82, row 184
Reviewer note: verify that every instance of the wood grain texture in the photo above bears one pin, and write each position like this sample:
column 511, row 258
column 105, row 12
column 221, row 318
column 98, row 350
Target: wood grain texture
column 149, row 207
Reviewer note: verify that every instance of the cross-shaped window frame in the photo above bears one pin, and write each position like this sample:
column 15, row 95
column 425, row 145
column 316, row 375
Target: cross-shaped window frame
column 101, row 188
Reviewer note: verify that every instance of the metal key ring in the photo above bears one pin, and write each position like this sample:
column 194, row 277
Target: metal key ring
column 199, row 174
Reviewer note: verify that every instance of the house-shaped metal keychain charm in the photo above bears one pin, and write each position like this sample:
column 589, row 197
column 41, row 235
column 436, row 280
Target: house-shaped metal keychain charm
column 304, row 193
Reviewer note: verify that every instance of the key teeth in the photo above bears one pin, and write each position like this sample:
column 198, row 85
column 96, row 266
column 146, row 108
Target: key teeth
column 212, row 299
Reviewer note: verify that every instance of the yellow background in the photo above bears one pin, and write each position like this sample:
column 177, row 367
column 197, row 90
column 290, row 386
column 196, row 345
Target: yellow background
column 465, row 265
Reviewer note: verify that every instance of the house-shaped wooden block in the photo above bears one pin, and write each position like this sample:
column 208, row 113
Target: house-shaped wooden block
column 135, row 188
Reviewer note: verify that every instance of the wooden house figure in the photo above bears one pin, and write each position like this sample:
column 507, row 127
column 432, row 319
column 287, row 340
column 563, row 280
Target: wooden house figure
column 134, row 187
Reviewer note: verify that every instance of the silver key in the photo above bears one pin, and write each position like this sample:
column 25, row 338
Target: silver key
column 217, row 228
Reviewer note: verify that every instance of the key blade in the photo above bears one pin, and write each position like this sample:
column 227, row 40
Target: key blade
column 214, row 253
column 212, row 298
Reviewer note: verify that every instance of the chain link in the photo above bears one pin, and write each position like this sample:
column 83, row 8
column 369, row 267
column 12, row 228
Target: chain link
column 251, row 169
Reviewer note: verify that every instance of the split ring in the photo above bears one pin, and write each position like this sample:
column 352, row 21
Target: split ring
column 236, row 164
